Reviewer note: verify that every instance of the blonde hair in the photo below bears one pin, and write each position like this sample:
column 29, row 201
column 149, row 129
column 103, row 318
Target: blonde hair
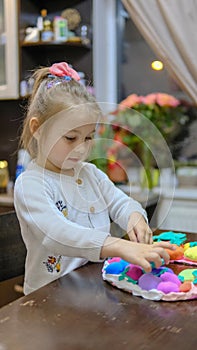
column 51, row 95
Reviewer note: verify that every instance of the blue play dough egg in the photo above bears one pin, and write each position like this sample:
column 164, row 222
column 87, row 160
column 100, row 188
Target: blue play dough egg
column 116, row 267
column 124, row 263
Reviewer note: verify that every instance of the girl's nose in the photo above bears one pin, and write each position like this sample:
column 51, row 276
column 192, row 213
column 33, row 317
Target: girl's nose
column 81, row 148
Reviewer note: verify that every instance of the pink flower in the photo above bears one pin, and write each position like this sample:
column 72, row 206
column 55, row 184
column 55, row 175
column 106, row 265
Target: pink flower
column 149, row 99
column 130, row 101
column 161, row 99
column 167, row 100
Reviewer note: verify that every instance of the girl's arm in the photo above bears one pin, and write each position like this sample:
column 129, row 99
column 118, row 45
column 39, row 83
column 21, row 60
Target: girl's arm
column 125, row 211
column 137, row 253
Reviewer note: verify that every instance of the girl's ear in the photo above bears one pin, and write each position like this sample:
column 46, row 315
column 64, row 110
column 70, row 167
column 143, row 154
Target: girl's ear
column 33, row 125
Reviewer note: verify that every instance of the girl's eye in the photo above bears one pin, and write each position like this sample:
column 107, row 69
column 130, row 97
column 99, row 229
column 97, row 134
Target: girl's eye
column 70, row 138
column 89, row 138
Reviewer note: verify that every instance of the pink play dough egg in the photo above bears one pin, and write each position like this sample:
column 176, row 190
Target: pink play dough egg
column 168, row 287
column 148, row 281
column 115, row 259
column 170, row 277
column 134, row 272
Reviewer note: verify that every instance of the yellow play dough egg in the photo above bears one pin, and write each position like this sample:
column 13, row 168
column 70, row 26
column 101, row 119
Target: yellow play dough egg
column 191, row 253
column 188, row 275
column 186, row 246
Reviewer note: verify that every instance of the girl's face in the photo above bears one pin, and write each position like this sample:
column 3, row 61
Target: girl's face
column 71, row 148
column 62, row 143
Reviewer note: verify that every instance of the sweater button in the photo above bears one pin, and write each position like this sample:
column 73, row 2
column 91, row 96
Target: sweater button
column 92, row 209
column 79, row 181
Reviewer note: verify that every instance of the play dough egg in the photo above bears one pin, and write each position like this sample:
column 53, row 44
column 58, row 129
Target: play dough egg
column 116, row 267
column 185, row 287
column 170, row 277
column 134, row 272
column 148, row 281
column 186, row 246
column 191, row 253
column 188, row 274
column 115, row 259
column 177, row 253
column 159, row 271
column 168, row 287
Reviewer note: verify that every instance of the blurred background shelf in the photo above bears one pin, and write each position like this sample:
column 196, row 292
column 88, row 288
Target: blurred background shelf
column 39, row 44
column 168, row 208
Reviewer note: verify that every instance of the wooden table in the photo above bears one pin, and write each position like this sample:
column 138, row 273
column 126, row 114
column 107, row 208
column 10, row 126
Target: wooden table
column 82, row 312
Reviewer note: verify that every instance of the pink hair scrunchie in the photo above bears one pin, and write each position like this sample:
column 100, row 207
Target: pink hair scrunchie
column 62, row 69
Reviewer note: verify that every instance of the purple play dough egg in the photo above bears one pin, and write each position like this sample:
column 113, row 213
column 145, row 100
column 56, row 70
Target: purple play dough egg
column 134, row 272
column 148, row 281
column 168, row 287
column 160, row 270
column 170, row 277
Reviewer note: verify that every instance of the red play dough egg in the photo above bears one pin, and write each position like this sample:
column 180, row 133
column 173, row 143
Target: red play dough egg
column 185, row 286
column 176, row 254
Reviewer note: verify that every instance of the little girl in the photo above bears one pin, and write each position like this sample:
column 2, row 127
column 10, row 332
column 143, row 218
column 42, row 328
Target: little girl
column 64, row 205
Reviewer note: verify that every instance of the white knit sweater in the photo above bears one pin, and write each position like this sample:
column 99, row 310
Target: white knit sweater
column 65, row 220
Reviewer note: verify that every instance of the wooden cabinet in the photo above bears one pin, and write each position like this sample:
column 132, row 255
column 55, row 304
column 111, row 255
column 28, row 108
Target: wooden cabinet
column 8, row 50
column 36, row 54
column 19, row 58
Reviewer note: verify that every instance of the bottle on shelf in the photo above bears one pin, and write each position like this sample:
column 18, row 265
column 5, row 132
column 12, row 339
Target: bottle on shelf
column 84, row 32
column 60, row 26
column 45, row 27
column 39, row 25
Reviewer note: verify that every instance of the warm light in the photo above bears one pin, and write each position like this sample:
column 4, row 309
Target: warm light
column 157, row 65
column 3, row 164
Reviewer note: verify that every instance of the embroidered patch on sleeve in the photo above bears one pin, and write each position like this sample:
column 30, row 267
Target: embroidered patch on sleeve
column 61, row 207
column 53, row 263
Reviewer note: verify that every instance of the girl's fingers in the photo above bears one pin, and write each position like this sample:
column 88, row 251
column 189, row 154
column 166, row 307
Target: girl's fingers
column 163, row 254
column 145, row 265
column 155, row 256
column 145, row 236
column 132, row 236
column 141, row 237
column 167, row 245
column 149, row 236
column 151, row 239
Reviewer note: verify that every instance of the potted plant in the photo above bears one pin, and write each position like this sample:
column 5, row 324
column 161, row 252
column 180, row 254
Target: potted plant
column 143, row 124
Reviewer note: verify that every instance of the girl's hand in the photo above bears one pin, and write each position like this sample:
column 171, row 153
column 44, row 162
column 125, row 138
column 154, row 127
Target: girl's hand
column 137, row 253
column 138, row 230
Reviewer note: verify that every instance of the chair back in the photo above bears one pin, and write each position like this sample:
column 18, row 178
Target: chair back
column 12, row 247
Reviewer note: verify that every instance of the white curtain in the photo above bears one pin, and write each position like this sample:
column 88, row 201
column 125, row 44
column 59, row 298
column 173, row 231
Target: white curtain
column 170, row 27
